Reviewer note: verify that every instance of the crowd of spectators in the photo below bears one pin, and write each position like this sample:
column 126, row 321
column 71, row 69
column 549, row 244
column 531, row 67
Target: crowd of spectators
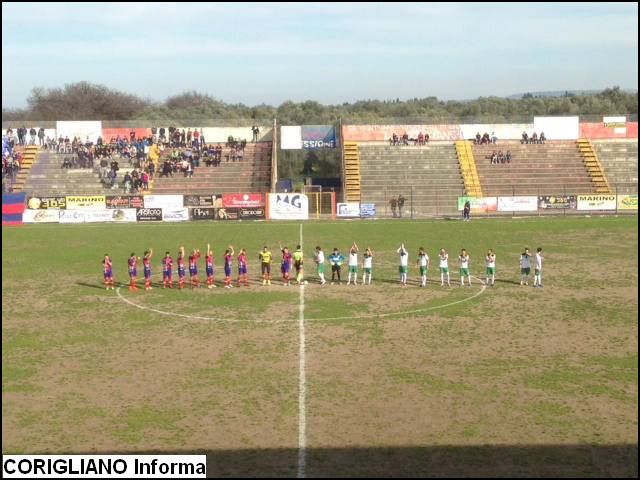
column 534, row 138
column 499, row 157
column 421, row 139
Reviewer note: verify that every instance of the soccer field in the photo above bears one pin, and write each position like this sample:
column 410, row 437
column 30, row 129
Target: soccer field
column 330, row 380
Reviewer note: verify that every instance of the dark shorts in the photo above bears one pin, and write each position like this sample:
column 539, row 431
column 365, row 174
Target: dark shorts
column 266, row 268
column 167, row 273
column 181, row 272
column 227, row 271
column 285, row 267
column 108, row 274
column 193, row 271
column 335, row 268
column 133, row 272
column 147, row 273
column 242, row 269
column 297, row 265
column 210, row 271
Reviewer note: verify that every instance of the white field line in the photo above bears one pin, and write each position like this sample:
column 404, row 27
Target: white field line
column 302, row 388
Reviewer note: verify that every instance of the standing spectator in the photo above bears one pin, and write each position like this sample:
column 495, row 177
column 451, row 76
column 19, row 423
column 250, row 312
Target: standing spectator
column 466, row 211
column 400, row 204
column 494, row 139
column 183, row 138
column 32, row 134
column 163, row 138
column 255, row 131
column 393, row 203
column 189, row 136
column 508, row 156
column 132, row 136
column 202, row 141
column 543, row 139
column 478, row 138
column 145, row 181
column 525, row 138
column 41, row 136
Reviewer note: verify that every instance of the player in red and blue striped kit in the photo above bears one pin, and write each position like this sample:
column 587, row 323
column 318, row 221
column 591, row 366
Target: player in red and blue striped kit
column 209, row 262
column 167, row 271
column 108, row 272
column 182, row 272
column 193, row 268
column 133, row 271
column 146, row 262
column 242, row 267
column 228, row 265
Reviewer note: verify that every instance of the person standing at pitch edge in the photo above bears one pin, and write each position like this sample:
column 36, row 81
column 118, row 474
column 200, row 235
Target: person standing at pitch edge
column 466, row 211
column 537, row 279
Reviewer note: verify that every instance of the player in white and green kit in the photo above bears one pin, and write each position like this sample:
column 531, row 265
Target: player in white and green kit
column 490, row 261
column 525, row 267
column 423, row 265
column 464, row 267
column 319, row 261
column 353, row 264
column 444, row 267
column 404, row 264
column 367, row 265
column 537, row 279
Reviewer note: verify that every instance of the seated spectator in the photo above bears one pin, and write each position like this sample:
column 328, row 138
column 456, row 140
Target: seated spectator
column 478, row 138
column 500, row 157
column 543, row 139
column 420, row 139
column 485, row 139
column 394, row 139
column 494, row 158
column 426, row 138
column 508, row 156
column 405, row 139
column 534, row 138
column 66, row 163
column 525, row 138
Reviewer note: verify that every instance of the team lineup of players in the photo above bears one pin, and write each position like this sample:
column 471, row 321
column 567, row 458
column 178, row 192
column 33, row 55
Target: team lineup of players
column 296, row 259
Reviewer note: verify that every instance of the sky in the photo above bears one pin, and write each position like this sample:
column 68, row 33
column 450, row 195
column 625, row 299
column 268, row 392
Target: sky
column 269, row 53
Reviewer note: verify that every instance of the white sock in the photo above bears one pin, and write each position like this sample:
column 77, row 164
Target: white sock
column 321, row 275
column 493, row 279
column 442, row 278
column 448, row 279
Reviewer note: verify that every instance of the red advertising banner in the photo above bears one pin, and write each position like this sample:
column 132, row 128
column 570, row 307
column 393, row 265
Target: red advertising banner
column 600, row 131
column 109, row 133
column 244, row 200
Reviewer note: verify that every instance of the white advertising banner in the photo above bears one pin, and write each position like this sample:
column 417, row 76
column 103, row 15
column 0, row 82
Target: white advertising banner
column 175, row 214
column 518, row 204
column 94, row 216
column 557, row 128
column 288, row 206
column 503, row 131
column 291, row 138
column 81, row 130
column 163, row 201
column 41, row 216
column 596, row 202
column 72, row 216
column 124, row 215
column 348, row 210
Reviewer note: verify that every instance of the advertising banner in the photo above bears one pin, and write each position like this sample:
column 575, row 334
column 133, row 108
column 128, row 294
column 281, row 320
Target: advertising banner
column 288, row 206
column 163, row 201
column 291, row 137
column 175, row 214
column 79, row 129
column 625, row 202
column 93, row 216
column 479, row 204
column 200, row 213
column 596, row 202
column 125, row 201
column 43, row 203
column 557, row 202
column 518, row 204
column 94, row 202
column 227, row 214
column 41, row 216
column 148, row 214
column 348, row 210
column 318, row 136
column 202, row 201
column 236, row 200
column 124, row 215
column 367, row 210
column 258, row 213
column 72, row 216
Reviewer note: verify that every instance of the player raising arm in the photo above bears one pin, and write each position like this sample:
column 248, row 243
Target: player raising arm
column 146, row 263
column 209, row 267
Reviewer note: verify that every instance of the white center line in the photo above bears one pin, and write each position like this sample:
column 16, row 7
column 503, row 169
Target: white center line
column 302, row 387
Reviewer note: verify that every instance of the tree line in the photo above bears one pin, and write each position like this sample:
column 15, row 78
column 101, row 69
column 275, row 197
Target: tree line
column 87, row 101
